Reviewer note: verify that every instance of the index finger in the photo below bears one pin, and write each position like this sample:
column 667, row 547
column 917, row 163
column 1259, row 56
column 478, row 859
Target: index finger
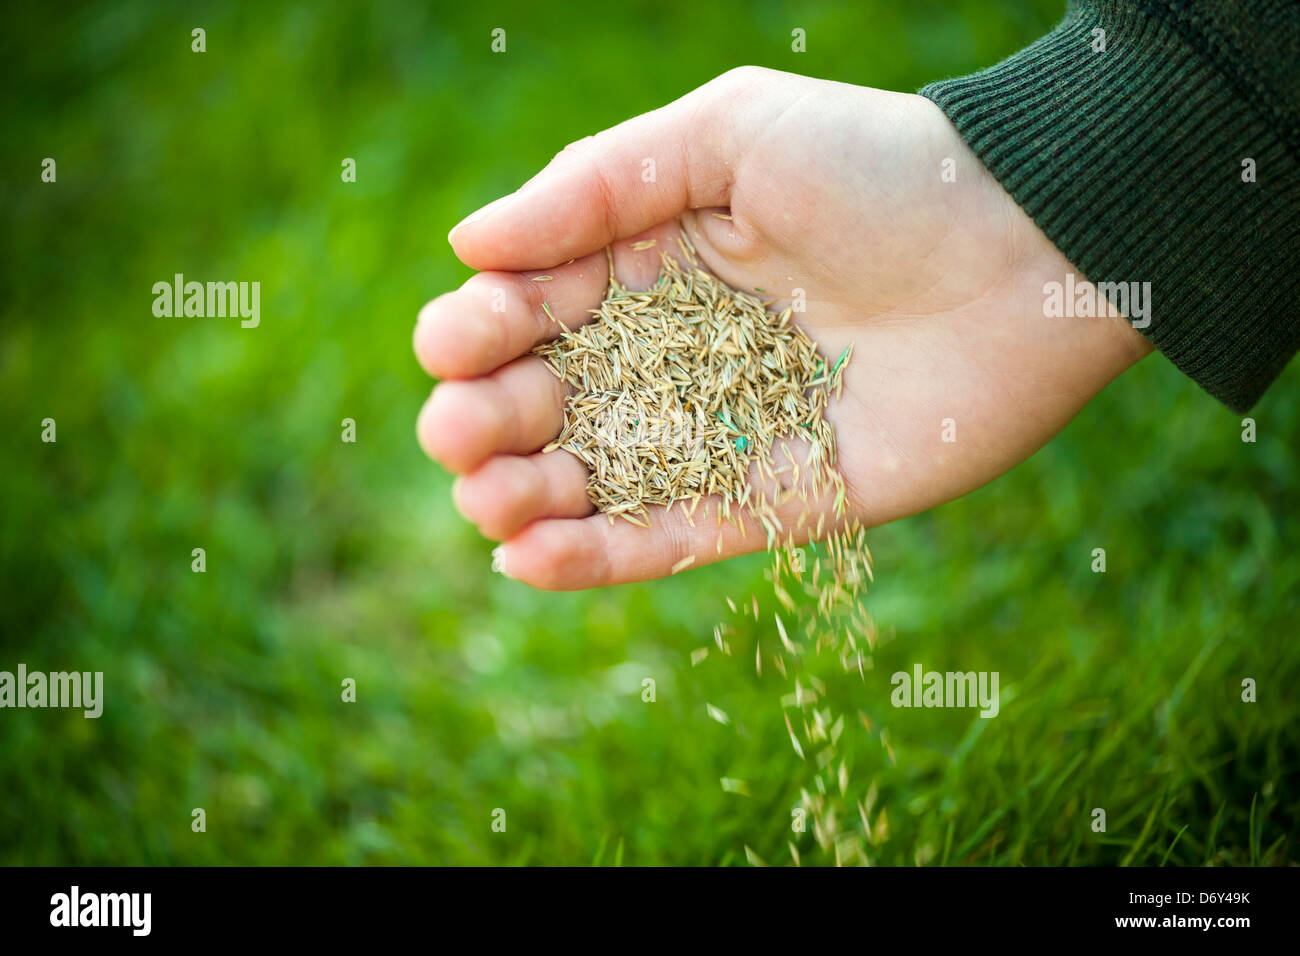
column 610, row 186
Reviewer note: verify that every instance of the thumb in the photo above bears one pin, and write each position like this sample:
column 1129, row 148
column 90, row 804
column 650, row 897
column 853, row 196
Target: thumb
column 609, row 186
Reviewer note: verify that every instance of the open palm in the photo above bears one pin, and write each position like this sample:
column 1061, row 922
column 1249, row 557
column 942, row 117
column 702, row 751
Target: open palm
column 862, row 208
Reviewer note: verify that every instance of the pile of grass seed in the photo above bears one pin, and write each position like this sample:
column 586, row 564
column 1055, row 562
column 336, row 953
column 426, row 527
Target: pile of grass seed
column 692, row 390
column 677, row 391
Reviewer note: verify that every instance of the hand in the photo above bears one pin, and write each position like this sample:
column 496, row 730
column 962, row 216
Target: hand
column 833, row 189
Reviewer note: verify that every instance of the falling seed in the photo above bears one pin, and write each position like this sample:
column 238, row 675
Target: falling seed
column 780, row 630
column 722, row 215
column 543, row 278
column 794, row 741
column 733, row 785
column 680, row 394
column 881, row 832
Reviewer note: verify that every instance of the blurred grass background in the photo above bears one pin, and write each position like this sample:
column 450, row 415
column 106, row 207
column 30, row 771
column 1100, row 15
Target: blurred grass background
column 328, row 560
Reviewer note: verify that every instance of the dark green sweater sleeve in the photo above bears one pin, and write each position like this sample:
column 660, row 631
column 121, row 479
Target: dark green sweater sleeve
column 1163, row 149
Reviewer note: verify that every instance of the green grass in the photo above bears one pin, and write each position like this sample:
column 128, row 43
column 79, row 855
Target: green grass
column 328, row 560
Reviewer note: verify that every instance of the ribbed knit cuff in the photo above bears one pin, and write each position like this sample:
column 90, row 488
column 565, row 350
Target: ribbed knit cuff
column 1131, row 162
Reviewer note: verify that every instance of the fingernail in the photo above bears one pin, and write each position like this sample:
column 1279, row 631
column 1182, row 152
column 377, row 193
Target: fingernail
column 479, row 214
